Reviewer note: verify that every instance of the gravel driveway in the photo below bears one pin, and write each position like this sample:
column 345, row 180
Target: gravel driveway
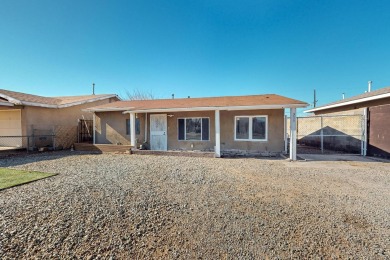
column 134, row 206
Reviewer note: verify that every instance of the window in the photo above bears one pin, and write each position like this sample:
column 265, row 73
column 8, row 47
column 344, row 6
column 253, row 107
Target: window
column 251, row 128
column 193, row 129
column 137, row 126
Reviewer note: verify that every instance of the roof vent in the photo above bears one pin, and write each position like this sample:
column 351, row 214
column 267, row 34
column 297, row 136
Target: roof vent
column 173, row 96
column 369, row 86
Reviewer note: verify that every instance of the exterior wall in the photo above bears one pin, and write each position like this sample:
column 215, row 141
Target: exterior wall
column 275, row 142
column 62, row 122
column 175, row 144
column 111, row 128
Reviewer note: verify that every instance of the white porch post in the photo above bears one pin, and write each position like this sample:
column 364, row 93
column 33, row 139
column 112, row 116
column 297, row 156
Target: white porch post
column 146, row 127
column 132, row 130
column 94, row 128
column 217, row 135
column 293, row 134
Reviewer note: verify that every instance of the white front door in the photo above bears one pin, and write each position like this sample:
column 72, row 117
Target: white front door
column 158, row 132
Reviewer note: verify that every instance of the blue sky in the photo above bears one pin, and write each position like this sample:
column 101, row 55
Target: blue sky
column 195, row 48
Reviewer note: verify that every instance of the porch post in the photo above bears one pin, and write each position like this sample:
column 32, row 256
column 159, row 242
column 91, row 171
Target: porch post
column 217, row 135
column 94, row 128
column 293, row 134
column 132, row 130
column 146, row 127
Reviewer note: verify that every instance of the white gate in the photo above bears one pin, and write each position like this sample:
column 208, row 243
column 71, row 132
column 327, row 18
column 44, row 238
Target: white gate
column 158, row 132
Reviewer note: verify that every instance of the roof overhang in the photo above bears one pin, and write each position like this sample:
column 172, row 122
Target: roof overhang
column 11, row 99
column 226, row 108
column 351, row 102
column 6, row 104
column 37, row 104
column 88, row 101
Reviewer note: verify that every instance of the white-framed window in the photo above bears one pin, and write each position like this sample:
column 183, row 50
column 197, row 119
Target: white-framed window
column 193, row 129
column 251, row 128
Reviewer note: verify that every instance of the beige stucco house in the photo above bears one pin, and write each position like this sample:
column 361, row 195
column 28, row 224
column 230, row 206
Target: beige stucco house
column 252, row 124
column 24, row 115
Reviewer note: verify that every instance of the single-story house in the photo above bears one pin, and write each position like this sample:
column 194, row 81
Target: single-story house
column 253, row 124
column 375, row 107
column 23, row 115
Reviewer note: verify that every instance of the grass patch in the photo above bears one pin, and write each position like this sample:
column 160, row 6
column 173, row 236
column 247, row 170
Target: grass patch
column 11, row 177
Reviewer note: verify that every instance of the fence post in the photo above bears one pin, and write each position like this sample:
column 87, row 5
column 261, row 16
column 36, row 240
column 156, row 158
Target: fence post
column 322, row 135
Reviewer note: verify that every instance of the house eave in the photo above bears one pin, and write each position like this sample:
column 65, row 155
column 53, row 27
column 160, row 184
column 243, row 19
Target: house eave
column 227, row 108
column 37, row 104
column 87, row 101
column 351, row 102
column 6, row 104
column 97, row 110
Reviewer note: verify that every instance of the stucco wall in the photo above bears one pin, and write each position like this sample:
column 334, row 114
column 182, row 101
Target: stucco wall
column 62, row 121
column 111, row 128
column 275, row 142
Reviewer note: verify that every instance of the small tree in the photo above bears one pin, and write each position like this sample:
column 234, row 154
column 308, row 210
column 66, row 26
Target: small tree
column 139, row 95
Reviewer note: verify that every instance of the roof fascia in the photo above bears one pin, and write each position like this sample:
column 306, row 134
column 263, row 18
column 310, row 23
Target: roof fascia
column 87, row 101
column 228, row 108
column 351, row 102
column 6, row 104
column 11, row 99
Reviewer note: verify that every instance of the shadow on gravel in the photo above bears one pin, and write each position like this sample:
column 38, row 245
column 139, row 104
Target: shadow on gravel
column 21, row 158
column 340, row 157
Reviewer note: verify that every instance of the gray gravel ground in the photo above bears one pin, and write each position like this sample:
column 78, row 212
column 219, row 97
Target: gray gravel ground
column 129, row 206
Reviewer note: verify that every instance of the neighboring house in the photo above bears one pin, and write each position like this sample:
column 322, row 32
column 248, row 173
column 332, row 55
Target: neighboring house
column 375, row 106
column 252, row 124
column 27, row 115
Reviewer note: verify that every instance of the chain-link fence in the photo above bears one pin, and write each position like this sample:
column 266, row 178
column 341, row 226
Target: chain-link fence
column 329, row 134
column 30, row 143
column 50, row 137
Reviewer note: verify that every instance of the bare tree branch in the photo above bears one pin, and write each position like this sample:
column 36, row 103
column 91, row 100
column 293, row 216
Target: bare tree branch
column 139, row 95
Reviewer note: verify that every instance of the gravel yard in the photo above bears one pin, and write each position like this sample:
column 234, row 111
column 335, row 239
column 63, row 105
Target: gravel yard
column 134, row 206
